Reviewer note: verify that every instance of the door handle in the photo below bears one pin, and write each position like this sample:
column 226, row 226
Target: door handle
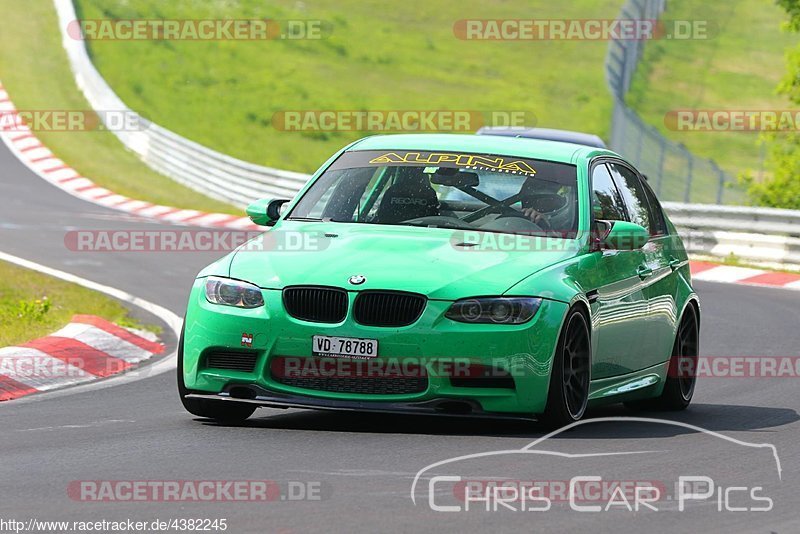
column 674, row 263
column 643, row 271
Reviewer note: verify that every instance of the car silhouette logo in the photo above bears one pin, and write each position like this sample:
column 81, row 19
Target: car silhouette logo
column 357, row 279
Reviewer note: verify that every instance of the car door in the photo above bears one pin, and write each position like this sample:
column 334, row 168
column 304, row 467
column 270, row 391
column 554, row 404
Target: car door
column 619, row 306
column 662, row 293
column 658, row 281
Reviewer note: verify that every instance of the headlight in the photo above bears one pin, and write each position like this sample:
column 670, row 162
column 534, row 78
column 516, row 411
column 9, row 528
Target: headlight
column 497, row 310
column 229, row 292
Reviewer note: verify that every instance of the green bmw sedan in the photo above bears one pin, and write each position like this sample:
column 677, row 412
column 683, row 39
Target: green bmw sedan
column 456, row 275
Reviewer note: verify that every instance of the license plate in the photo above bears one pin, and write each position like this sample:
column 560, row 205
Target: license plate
column 344, row 347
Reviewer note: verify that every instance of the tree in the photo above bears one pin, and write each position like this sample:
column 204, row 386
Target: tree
column 782, row 189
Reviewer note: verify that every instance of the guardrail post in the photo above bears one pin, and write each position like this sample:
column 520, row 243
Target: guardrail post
column 687, row 194
column 721, row 181
column 661, row 156
column 623, row 131
column 639, row 143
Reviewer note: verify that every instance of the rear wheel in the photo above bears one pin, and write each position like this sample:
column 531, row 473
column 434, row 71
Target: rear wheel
column 222, row 411
column 568, row 394
column 681, row 375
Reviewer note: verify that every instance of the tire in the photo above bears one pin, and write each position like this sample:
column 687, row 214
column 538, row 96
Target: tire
column 568, row 394
column 221, row 411
column 680, row 384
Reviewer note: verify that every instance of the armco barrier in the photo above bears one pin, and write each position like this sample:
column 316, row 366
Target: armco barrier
column 758, row 235
column 205, row 170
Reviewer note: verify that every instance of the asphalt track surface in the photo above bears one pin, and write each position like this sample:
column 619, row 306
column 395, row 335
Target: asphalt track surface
column 365, row 464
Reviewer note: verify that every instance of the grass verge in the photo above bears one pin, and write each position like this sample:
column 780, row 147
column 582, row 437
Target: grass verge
column 35, row 71
column 378, row 56
column 33, row 305
column 738, row 68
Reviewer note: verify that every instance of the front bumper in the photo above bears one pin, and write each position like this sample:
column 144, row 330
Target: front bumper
column 525, row 351
column 269, row 399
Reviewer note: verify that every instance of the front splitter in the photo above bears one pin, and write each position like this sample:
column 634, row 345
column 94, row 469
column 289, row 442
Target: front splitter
column 447, row 407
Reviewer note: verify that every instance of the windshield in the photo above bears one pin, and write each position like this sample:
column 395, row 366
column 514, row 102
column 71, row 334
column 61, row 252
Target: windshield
column 446, row 190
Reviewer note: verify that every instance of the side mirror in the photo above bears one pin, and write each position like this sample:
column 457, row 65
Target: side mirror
column 265, row 211
column 622, row 235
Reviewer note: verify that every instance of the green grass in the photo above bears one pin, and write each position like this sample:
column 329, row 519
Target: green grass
column 382, row 56
column 738, row 68
column 35, row 71
column 379, row 56
column 33, row 305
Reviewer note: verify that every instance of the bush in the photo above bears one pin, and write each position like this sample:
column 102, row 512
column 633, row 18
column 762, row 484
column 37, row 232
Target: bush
column 33, row 310
column 782, row 188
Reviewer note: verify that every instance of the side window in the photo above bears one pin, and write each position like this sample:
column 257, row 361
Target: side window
column 656, row 212
column 632, row 194
column 606, row 201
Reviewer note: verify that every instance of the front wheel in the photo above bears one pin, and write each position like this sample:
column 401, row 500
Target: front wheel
column 568, row 394
column 222, row 411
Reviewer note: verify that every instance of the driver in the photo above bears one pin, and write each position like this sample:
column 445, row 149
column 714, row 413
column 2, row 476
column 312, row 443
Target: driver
column 531, row 189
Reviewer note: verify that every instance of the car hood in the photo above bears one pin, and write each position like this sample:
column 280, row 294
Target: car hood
column 403, row 258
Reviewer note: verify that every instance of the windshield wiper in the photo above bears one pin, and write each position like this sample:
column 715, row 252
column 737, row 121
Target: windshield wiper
column 307, row 219
column 434, row 225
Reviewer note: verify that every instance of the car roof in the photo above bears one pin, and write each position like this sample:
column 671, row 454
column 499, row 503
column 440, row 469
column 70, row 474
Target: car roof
column 550, row 134
column 484, row 144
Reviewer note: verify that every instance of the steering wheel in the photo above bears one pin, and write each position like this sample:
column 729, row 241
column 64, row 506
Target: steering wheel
column 515, row 225
column 542, row 224
column 542, row 203
column 547, row 202
column 502, row 209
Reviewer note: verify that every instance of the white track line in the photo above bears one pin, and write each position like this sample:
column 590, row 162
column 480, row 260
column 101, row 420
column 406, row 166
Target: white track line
column 164, row 365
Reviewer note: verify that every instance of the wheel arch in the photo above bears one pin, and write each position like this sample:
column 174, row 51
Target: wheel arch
column 693, row 301
column 581, row 302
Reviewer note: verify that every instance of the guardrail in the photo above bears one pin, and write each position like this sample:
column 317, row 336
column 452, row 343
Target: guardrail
column 674, row 172
column 756, row 235
column 201, row 168
column 760, row 236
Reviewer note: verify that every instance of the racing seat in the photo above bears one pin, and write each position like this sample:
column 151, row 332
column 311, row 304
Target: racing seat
column 410, row 197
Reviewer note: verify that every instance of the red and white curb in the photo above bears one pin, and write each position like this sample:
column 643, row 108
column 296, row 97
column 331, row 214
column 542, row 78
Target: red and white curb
column 713, row 272
column 38, row 158
column 88, row 348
